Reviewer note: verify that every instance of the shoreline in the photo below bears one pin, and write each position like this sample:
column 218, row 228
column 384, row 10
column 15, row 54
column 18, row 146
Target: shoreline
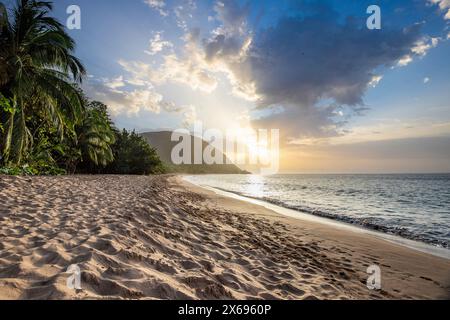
column 159, row 237
column 404, row 264
column 336, row 223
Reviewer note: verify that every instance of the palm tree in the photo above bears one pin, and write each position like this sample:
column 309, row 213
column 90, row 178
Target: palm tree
column 38, row 71
column 96, row 135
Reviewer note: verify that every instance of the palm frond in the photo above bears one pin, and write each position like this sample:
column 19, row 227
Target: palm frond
column 37, row 66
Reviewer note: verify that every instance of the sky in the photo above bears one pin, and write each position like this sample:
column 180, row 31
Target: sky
column 345, row 98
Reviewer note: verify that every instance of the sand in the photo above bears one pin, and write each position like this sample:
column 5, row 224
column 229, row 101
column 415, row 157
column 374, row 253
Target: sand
column 162, row 238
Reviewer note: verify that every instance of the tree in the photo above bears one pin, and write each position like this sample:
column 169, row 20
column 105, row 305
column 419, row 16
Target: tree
column 96, row 136
column 38, row 73
column 133, row 155
column 5, row 106
column 47, row 126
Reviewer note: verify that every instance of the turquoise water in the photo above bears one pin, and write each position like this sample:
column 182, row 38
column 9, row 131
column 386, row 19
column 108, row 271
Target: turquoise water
column 413, row 206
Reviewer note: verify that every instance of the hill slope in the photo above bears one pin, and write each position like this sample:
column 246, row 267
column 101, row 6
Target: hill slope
column 161, row 141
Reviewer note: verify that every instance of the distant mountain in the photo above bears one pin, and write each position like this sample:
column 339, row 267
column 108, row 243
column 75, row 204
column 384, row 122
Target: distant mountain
column 161, row 141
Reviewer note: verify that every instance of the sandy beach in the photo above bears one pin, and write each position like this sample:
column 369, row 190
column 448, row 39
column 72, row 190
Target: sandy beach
column 159, row 237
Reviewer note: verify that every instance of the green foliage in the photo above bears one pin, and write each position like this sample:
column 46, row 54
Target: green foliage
column 40, row 168
column 5, row 107
column 133, row 155
column 96, row 136
column 17, row 171
column 5, row 104
column 47, row 125
column 38, row 73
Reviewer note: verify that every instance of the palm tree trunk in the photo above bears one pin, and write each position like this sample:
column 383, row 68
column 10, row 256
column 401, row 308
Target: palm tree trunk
column 9, row 128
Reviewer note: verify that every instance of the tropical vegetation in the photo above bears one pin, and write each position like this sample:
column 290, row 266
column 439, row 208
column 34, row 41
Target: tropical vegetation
column 47, row 124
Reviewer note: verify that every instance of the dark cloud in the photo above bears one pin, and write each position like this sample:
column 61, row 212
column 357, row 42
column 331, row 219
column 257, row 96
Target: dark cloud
column 309, row 120
column 307, row 59
column 303, row 61
column 222, row 46
column 232, row 15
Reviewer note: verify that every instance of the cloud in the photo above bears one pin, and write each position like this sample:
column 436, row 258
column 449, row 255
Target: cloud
column 296, row 65
column 144, row 100
column 200, row 60
column 158, row 5
column 133, row 102
column 384, row 130
column 233, row 16
column 157, row 44
column 306, row 74
column 422, row 154
column 302, row 61
column 308, row 121
column 309, row 67
column 444, row 6
column 190, row 68
column 426, row 80
column 404, row 61
column 115, row 83
column 375, row 80
column 188, row 71
column 184, row 12
column 225, row 48
column 173, row 70
column 120, row 101
column 190, row 116
column 139, row 72
column 420, row 49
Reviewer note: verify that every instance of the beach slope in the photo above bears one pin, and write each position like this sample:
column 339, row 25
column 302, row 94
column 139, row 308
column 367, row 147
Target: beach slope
column 161, row 238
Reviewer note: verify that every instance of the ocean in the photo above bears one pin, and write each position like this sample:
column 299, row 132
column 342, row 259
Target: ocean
column 412, row 206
